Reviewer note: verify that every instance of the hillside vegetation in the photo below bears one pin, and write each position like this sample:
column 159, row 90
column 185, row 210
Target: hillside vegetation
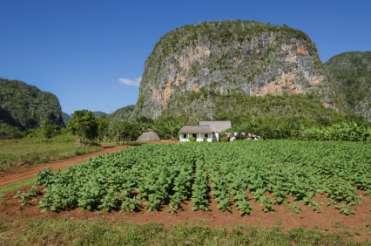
column 351, row 76
column 123, row 113
column 24, row 107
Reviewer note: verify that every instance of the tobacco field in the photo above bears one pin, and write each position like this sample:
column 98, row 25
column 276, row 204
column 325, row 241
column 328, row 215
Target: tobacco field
column 157, row 177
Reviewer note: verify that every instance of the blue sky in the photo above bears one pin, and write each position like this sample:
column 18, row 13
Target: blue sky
column 87, row 51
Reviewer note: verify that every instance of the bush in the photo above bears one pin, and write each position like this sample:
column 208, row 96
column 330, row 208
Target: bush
column 121, row 131
column 296, row 128
column 84, row 124
column 271, row 127
column 8, row 131
column 49, row 130
column 168, row 127
column 103, row 125
column 345, row 131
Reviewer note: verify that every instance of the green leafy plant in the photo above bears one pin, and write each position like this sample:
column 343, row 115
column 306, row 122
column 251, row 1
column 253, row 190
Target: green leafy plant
column 271, row 171
column 84, row 124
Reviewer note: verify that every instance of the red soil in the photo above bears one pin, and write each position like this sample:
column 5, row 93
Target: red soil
column 328, row 220
column 22, row 173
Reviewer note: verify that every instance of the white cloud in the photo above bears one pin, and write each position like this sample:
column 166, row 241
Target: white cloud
column 129, row 81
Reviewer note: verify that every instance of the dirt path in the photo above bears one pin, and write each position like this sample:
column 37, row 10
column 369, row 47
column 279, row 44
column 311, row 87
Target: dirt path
column 23, row 173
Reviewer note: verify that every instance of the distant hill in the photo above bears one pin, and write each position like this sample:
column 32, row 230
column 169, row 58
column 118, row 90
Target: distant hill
column 247, row 71
column 123, row 113
column 100, row 114
column 192, row 65
column 351, row 81
column 23, row 106
column 66, row 117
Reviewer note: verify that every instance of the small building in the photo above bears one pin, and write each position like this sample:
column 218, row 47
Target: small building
column 198, row 133
column 206, row 131
column 149, row 136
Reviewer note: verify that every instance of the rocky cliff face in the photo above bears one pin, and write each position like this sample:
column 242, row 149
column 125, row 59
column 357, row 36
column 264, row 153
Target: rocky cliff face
column 350, row 75
column 224, row 58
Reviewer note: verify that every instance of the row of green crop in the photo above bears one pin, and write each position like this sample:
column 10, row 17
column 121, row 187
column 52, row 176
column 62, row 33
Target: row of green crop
column 152, row 176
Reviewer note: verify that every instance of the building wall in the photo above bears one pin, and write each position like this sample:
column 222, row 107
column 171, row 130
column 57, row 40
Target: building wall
column 199, row 138
column 183, row 139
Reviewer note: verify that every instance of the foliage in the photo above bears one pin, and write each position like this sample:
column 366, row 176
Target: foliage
column 8, row 131
column 272, row 117
column 123, row 113
column 25, row 197
column 168, row 127
column 103, row 125
column 49, row 130
column 26, row 107
column 66, row 117
column 152, row 176
column 121, row 131
column 342, row 131
column 351, row 81
column 220, row 31
column 84, row 124
column 100, row 114
column 45, row 177
column 129, row 130
column 301, row 110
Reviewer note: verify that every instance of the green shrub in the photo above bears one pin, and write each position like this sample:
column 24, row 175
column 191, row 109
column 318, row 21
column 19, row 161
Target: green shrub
column 84, row 124
column 47, row 130
column 168, row 127
column 8, row 131
column 121, row 131
column 103, row 125
column 345, row 131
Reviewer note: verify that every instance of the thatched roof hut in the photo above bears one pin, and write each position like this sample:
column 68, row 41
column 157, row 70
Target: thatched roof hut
column 149, row 136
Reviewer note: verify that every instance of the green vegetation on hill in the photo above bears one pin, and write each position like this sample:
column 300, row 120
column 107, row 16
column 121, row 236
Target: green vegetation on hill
column 66, row 117
column 24, row 107
column 269, row 116
column 272, row 117
column 221, row 31
column 123, row 113
column 351, row 81
column 100, row 114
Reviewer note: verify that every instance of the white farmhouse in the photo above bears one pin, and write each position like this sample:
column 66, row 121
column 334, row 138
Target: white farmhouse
column 206, row 131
